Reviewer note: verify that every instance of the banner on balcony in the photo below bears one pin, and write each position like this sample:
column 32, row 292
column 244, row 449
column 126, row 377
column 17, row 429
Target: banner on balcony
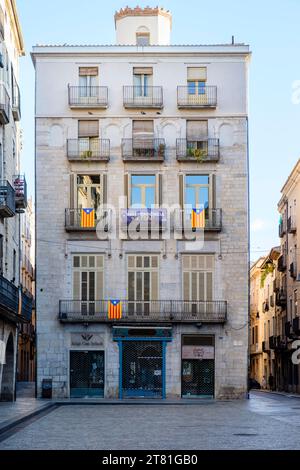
column 198, row 218
column 114, row 310
column 87, row 218
column 144, row 215
column 20, row 302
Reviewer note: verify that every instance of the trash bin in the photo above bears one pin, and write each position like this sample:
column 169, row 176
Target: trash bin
column 47, row 388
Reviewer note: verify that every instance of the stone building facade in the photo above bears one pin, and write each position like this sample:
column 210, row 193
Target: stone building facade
column 155, row 125
column 15, row 305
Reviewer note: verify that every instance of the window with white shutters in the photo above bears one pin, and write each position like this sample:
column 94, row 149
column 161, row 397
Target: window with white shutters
column 142, row 283
column 88, row 281
column 198, row 274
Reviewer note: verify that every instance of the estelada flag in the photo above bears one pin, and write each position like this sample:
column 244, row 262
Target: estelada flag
column 198, row 218
column 114, row 309
column 87, row 218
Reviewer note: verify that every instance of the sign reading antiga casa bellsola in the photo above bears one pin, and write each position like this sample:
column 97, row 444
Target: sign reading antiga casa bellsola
column 198, row 352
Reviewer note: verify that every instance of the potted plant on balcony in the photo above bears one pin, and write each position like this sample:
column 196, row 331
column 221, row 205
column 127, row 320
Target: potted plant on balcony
column 86, row 154
column 198, row 154
column 161, row 150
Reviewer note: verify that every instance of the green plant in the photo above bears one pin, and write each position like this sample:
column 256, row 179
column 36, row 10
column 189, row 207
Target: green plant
column 161, row 150
column 267, row 269
column 198, row 154
column 86, row 154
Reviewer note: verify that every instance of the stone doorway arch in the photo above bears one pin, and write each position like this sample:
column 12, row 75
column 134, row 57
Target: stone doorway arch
column 7, row 383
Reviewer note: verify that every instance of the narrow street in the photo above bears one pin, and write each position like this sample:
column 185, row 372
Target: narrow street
column 266, row 421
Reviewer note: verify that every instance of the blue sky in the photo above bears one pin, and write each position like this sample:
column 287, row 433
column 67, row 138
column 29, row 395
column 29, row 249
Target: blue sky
column 271, row 27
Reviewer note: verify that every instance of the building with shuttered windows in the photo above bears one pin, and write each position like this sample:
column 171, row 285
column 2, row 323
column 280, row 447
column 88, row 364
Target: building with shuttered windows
column 138, row 134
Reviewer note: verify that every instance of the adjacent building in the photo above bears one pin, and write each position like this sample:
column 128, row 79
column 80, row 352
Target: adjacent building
column 15, row 305
column 141, row 133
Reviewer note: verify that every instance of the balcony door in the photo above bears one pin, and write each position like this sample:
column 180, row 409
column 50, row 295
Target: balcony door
column 196, row 134
column 143, row 138
column 198, row 274
column 143, row 285
column 88, row 80
column 142, row 84
column 196, row 83
column 88, row 138
column 88, row 284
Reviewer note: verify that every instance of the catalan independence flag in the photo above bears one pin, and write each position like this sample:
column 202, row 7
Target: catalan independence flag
column 198, row 218
column 114, row 310
column 87, row 218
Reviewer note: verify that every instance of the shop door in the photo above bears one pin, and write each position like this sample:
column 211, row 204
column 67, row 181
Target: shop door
column 142, row 369
column 86, row 374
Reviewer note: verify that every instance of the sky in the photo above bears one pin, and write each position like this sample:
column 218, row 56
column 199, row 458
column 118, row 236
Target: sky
column 270, row 27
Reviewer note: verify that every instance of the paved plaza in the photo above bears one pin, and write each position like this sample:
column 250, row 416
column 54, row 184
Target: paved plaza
column 266, row 421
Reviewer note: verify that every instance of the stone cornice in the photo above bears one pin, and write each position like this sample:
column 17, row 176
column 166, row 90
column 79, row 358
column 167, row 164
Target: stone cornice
column 138, row 11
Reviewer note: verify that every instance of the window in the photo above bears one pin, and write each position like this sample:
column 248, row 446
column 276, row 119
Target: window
column 142, row 39
column 142, row 129
column 142, row 80
column 198, row 277
column 14, row 265
column 142, row 282
column 196, row 80
column 295, row 303
column 143, row 190
column 197, row 191
column 88, row 137
column 88, row 77
column 197, row 134
column 89, row 192
column 88, row 282
column 143, row 142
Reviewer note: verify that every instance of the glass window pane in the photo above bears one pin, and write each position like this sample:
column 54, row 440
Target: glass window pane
column 136, row 196
column 99, row 261
column 190, row 197
column 76, row 261
column 191, row 88
column 139, row 286
column 201, row 88
column 147, row 285
column 143, row 179
column 146, row 261
column 131, row 263
column 203, row 197
column 154, row 261
column 92, row 286
column 139, row 261
column 197, row 179
column 91, row 261
column 150, row 197
column 84, row 261
column 131, row 286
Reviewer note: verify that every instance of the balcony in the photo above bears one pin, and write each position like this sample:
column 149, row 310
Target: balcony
column 213, row 220
column 88, row 97
column 143, row 97
column 296, row 326
column 265, row 346
column 144, row 149
column 287, row 329
column 265, row 306
column 20, row 187
column 4, row 105
column 272, row 342
column 74, row 221
column 144, row 220
column 255, row 349
column 200, row 150
column 291, row 225
column 281, row 298
column 87, row 150
column 206, row 97
column 281, row 230
column 9, row 302
column 293, row 270
column 280, row 345
column 7, row 200
column 156, row 311
column 16, row 101
column 281, row 265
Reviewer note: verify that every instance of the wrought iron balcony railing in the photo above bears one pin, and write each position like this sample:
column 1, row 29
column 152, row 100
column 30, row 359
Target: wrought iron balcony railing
column 213, row 219
column 144, row 219
column 204, row 97
column 291, row 224
column 156, row 311
column 198, row 150
column 296, row 326
column 144, row 149
column 20, row 187
column 88, row 149
column 281, row 229
column 16, row 101
column 75, row 222
column 281, row 265
column 7, row 199
column 293, row 270
column 143, row 97
column 88, row 96
column 10, row 297
column 281, row 298
column 4, row 105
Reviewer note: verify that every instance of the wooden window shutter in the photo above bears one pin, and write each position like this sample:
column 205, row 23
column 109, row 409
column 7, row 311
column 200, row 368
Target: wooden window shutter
column 181, row 191
column 99, row 294
column 197, row 73
column 213, row 190
column 72, row 191
column 142, row 127
column 104, row 188
column 196, row 130
column 126, row 188
column 90, row 71
column 142, row 70
column 76, row 285
column 154, row 285
column 186, row 286
column 88, row 128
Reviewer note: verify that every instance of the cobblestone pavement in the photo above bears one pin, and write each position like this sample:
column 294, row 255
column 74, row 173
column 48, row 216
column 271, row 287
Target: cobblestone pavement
column 22, row 407
column 265, row 421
